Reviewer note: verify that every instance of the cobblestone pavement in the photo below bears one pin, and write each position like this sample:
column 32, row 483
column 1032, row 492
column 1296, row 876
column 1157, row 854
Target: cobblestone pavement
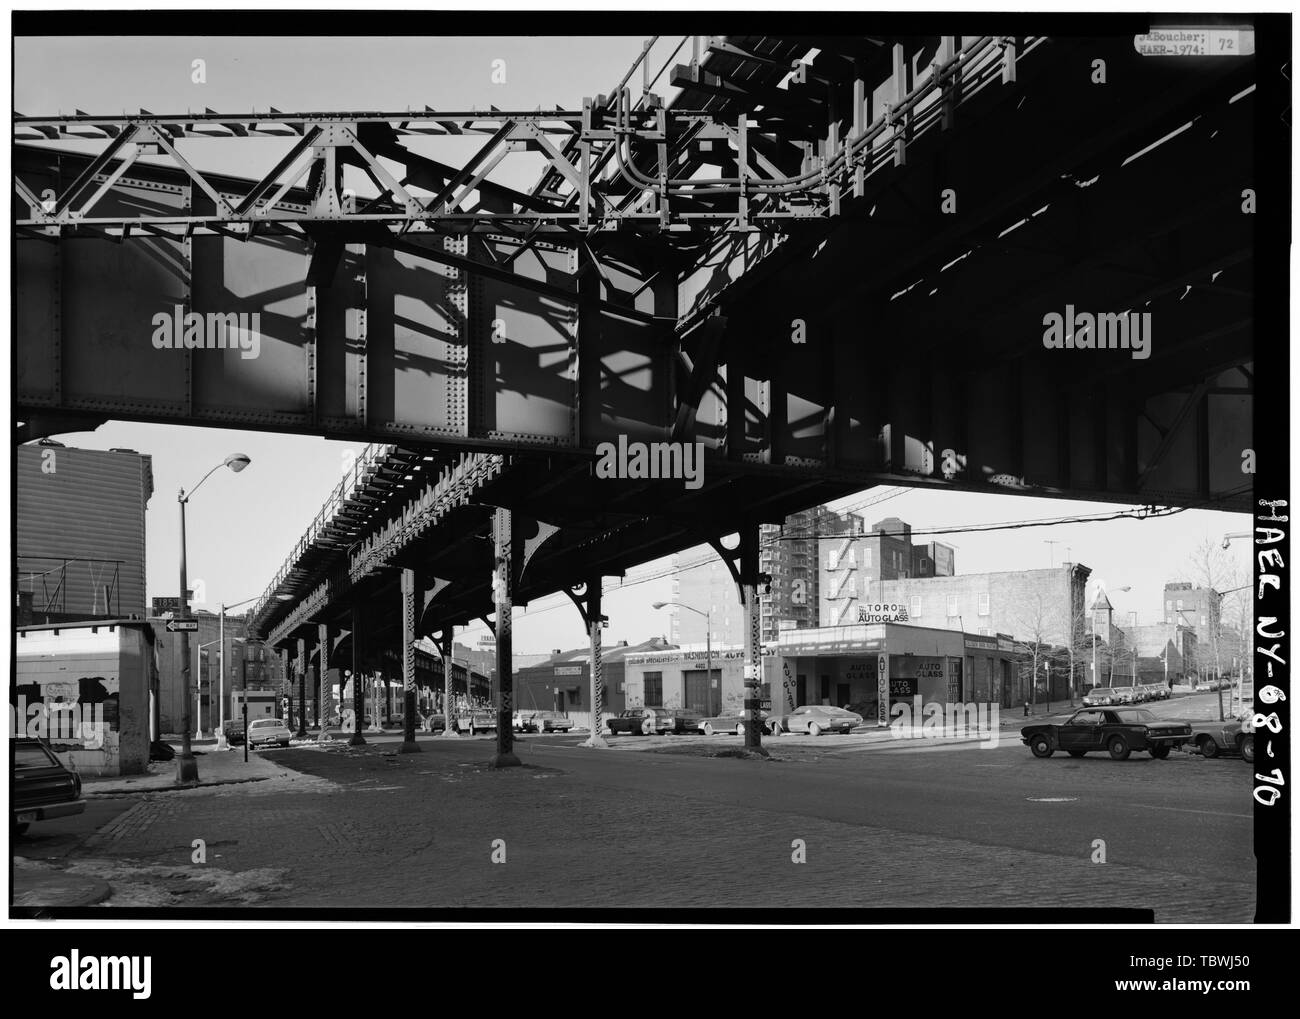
column 921, row 826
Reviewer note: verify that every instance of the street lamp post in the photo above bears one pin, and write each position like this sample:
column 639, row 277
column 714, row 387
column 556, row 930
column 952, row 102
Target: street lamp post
column 187, row 768
column 708, row 634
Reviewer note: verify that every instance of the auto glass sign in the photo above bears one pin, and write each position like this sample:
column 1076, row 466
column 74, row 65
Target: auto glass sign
column 882, row 612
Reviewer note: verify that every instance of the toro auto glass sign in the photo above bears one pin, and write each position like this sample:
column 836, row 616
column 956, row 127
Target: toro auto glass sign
column 882, row 612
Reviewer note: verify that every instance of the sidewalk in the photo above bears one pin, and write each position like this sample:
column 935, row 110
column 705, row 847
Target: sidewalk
column 224, row 767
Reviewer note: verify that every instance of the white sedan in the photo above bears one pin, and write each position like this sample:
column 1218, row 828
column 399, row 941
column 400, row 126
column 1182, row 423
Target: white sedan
column 265, row 731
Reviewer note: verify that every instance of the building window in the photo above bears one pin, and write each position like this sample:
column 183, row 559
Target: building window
column 914, row 606
column 654, row 688
column 853, row 558
column 1169, row 604
column 852, row 587
column 832, row 559
column 954, row 605
column 1180, row 605
column 866, row 558
column 984, row 604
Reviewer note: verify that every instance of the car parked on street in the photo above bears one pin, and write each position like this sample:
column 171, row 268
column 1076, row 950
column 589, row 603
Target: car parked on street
column 544, row 721
column 263, row 732
column 434, row 723
column 815, row 719
column 521, row 720
column 677, row 721
column 476, row 721
column 234, row 730
column 1119, row 731
column 729, row 723
column 1231, row 736
column 632, row 721
column 42, row 787
column 654, row 720
column 1125, row 694
column 1100, row 696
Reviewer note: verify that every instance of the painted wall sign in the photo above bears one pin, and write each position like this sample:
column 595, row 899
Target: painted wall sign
column 882, row 690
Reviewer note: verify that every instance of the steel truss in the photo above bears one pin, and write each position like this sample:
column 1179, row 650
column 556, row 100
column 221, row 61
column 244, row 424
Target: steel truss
column 616, row 163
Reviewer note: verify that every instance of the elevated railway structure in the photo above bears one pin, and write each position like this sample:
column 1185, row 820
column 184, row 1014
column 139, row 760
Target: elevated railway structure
column 827, row 263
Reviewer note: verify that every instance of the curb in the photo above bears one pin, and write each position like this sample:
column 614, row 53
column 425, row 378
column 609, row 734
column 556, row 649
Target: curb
column 128, row 791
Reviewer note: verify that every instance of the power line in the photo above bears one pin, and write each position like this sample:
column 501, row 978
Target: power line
column 662, row 573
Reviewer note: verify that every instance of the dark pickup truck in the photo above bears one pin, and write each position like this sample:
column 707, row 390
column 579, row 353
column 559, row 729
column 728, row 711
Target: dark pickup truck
column 1118, row 731
column 42, row 787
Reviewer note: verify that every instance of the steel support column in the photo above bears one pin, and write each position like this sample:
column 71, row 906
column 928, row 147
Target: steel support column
column 358, row 692
column 326, row 697
column 301, row 666
column 446, row 643
column 409, row 746
column 286, row 689
column 503, row 580
column 753, row 716
column 591, row 614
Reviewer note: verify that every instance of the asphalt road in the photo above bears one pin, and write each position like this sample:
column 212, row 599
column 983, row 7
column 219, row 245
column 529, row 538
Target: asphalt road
column 902, row 823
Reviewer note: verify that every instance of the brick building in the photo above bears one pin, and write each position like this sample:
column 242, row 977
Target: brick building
column 854, row 565
column 1044, row 605
column 250, row 665
column 80, row 532
column 1165, row 652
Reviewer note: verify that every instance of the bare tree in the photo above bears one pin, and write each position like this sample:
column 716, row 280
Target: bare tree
column 1211, row 566
column 1077, row 641
column 1036, row 623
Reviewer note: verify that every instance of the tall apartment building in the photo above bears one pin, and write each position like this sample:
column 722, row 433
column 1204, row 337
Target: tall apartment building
column 788, row 554
column 854, row 565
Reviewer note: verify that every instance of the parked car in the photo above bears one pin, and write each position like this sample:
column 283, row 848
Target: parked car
column 521, row 721
column 434, row 723
column 814, row 719
column 728, row 723
column 476, row 721
column 234, row 730
column 265, row 731
column 1125, row 694
column 676, row 721
column 1120, row 731
column 1231, row 736
column 634, row 721
column 548, row 721
column 42, row 787
column 1100, row 696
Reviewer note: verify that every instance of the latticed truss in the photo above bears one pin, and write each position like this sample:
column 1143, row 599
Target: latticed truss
column 752, row 156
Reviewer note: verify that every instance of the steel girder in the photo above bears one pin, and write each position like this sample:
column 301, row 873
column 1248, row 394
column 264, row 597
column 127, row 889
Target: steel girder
column 922, row 335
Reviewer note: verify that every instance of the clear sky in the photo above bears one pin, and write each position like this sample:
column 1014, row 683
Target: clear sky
column 242, row 526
